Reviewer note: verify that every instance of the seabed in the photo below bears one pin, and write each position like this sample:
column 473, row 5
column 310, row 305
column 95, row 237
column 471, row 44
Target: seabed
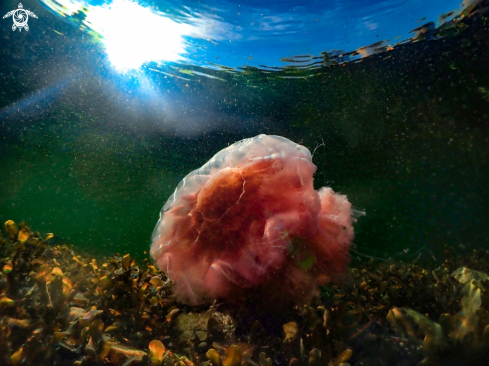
column 59, row 307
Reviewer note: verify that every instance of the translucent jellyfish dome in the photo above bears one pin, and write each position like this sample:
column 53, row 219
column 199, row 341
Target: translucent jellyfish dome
column 249, row 223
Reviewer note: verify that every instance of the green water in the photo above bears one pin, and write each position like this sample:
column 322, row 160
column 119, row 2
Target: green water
column 406, row 137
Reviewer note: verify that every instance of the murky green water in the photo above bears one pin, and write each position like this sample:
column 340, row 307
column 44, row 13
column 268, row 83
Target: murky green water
column 405, row 137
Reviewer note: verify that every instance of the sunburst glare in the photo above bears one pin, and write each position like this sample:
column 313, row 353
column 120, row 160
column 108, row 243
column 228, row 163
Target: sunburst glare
column 132, row 34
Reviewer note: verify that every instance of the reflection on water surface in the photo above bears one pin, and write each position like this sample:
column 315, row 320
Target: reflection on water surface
column 270, row 36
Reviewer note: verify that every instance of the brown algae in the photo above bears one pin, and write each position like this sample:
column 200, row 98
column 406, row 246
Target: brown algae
column 60, row 307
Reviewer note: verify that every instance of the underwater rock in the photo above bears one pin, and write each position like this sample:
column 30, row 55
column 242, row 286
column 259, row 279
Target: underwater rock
column 204, row 327
column 250, row 219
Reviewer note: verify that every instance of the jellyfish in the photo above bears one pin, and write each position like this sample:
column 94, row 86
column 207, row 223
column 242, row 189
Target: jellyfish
column 250, row 223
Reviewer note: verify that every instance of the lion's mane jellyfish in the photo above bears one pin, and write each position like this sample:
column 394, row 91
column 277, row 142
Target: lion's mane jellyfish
column 250, row 222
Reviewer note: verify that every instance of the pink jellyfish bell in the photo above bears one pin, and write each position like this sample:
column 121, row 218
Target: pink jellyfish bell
column 249, row 221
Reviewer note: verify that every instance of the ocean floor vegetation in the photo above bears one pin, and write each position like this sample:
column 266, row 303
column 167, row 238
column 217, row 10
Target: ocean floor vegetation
column 61, row 307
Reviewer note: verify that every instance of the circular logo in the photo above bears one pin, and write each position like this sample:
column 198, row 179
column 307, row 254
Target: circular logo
column 20, row 18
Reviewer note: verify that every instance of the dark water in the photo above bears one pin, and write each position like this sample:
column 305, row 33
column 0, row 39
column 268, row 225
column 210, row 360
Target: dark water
column 88, row 154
